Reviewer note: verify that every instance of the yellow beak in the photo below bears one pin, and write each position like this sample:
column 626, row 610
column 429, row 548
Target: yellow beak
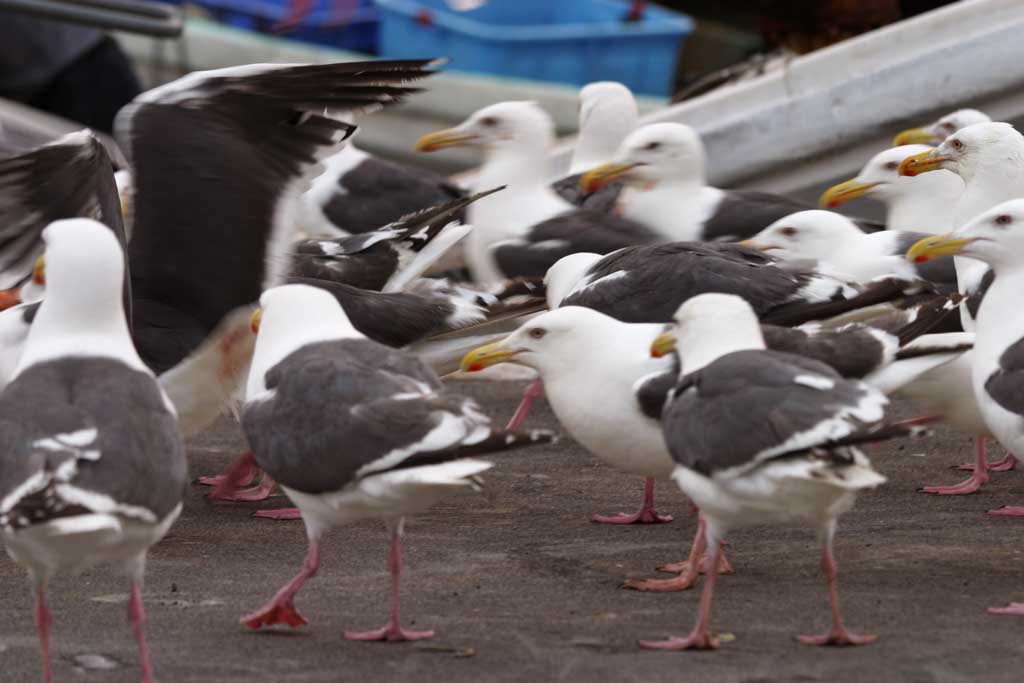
column 450, row 137
column 917, row 164
column 596, row 178
column 843, row 192
column 39, row 271
column 914, row 136
column 936, row 246
column 254, row 320
column 663, row 345
column 486, row 356
column 9, row 298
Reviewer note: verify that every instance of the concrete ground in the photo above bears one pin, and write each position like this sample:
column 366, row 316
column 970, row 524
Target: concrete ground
column 522, row 587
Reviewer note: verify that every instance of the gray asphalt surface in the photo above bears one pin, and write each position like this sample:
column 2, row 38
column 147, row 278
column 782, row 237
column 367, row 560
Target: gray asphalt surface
column 522, row 587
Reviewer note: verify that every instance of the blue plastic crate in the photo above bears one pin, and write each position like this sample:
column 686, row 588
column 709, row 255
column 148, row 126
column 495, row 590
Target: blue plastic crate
column 345, row 24
column 568, row 41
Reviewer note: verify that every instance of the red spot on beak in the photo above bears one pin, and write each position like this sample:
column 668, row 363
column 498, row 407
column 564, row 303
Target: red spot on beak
column 910, row 173
column 832, row 204
column 655, row 353
column 920, row 259
column 475, row 367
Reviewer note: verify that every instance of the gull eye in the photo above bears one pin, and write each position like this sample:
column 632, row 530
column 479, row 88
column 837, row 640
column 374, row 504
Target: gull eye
column 538, row 332
column 788, row 232
column 1002, row 220
column 957, row 145
column 651, row 146
column 488, row 121
column 948, row 126
column 892, row 166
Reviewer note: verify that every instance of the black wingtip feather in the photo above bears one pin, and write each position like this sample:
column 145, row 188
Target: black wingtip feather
column 928, row 316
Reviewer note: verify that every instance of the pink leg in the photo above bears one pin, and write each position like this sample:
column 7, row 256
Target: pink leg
column 281, row 608
column 535, row 389
column 137, row 616
column 1005, row 464
column 689, row 570
column 242, row 470
column 973, row 483
column 280, row 514
column 393, row 632
column 837, row 635
column 43, row 629
column 700, row 637
column 1008, row 511
column 645, row 515
column 1014, row 609
column 260, row 491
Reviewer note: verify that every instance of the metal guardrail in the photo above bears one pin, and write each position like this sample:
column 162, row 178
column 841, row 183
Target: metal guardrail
column 137, row 16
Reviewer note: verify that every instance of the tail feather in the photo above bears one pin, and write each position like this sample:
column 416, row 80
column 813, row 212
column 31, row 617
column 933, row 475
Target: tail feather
column 496, row 442
column 877, row 292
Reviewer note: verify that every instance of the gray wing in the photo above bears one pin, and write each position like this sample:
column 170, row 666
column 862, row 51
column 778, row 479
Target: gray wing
column 213, row 155
column 652, row 392
column 751, row 406
column 649, row 283
column 344, row 410
column 1006, row 384
column 377, row 192
column 744, row 213
column 88, row 435
column 71, row 177
column 577, row 231
column 852, row 350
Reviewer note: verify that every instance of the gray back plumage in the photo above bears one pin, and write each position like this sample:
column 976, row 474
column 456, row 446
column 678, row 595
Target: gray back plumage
column 739, row 409
column 136, row 456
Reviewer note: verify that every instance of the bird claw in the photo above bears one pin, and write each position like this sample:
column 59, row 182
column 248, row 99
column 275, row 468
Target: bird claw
column 1014, row 609
column 970, row 485
column 1008, row 511
column 681, row 567
column 837, row 637
column 390, row 633
column 1006, row 464
column 679, row 583
column 694, row 641
column 272, row 614
column 280, row 514
column 641, row 517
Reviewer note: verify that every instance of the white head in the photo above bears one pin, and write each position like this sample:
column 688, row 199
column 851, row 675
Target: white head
column 653, row 154
column 812, row 234
column 937, row 131
column 290, row 317
column 520, row 128
column 556, row 341
column 880, row 179
column 608, row 113
column 995, row 237
column 82, row 312
column 990, row 150
column 566, row 274
column 709, row 326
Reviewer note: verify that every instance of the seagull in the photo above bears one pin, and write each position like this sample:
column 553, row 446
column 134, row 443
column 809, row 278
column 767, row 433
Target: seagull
column 607, row 114
column 989, row 157
column 589, row 364
column 922, row 203
column 352, row 429
column 937, row 131
column 92, row 462
column 993, row 238
column 763, row 437
column 838, row 247
column 524, row 229
column 663, row 165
